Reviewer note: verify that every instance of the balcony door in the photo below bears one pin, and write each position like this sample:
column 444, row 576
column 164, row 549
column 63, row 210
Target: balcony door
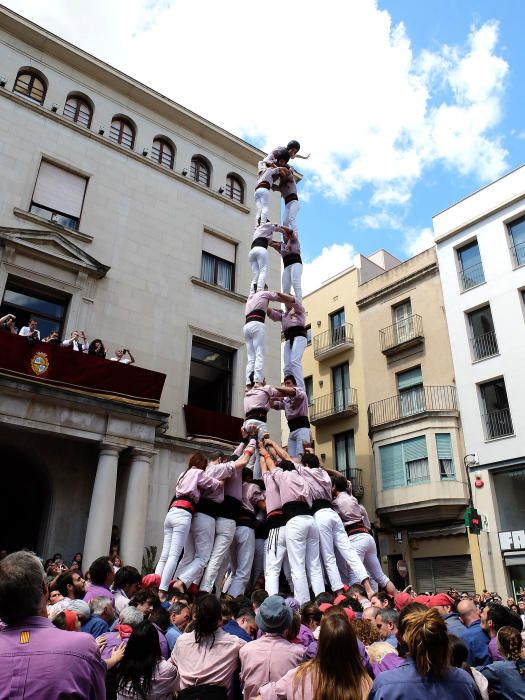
column 210, row 385
column 482, row 335
column 341, row 386
column 498, row 421
column 403, row 322
column 26, row 301
column 411, row 392
column 337, row 327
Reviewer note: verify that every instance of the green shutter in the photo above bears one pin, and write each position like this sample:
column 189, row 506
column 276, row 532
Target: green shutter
column 392, row 466
column 410, row 378
column 444, row 446
column 416, row 448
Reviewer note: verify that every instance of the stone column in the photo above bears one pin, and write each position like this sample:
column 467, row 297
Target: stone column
column 136, row 508
column 100, row 520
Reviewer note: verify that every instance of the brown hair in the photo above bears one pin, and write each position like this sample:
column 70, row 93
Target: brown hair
column 292, row 631
column 336, row 672
column 510, row 643
column 366, row 631
column 425, row 635
column 198, row 460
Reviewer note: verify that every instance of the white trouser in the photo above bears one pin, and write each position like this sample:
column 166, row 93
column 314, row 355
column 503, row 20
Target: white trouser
column 296, row 441
column 176, row 527
column 224, row 534
column 242, row 551
column 292, row 359
column 290, row 215
column 255, row 339
column 292, row 278
column 254, row 462
column 262, row 205
column 258, row 259
column 275, row 553
column 198, row 547
column 332, row 537
column 365, row 546
column 302, row 543
column 258, row 560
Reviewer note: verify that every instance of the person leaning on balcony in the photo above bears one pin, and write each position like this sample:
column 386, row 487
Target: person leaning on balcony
column 7, row 323
column 119, row 357
column 31, row 331
column 77, row 341
column 96, row 347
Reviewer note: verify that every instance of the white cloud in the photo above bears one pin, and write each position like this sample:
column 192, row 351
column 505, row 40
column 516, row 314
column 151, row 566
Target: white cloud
column 333, row 259
column 418, row 241
column 348, row 84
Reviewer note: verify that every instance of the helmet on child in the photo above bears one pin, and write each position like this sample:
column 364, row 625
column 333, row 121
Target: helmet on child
column 282, row 154
column 295, row 145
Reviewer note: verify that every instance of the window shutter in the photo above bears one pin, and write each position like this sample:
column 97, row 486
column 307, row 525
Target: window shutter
column 444, row 446
column 416, row 448
column 410, row 378
column 59, row 189
column 218, row 247
column 392, row 466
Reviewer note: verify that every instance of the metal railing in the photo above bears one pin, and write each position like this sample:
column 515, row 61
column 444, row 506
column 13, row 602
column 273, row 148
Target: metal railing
column 413, row 402
column 408, row 329
column 518, row 253
column 498, row 423
column 472, row 276
column 484, row 345
column 335, row 337
column 355, row 475
column 333, row 404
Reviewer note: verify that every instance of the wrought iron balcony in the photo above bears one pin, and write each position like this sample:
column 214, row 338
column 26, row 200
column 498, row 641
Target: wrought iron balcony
column 471, row 276
column 485, row 345
column 333, row 341
column 355, row 475
column 518, row 253
column 498, row 424
column 404, row 334
column 339, row 404
column 412, row 404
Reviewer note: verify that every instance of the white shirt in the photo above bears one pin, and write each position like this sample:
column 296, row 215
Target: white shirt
column 77, row 344
column 27, row 331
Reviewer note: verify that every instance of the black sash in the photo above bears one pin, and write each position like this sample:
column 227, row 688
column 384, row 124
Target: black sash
column 208, row 507
column 299, row 422
column 203, row 692
column 260, row 242
column 275, row 519
column 294, row 508
column 294, row 332
column 319, row 504
column 246, row 518
column 231, row 507
column 257, row 414
column 291, row 258
column 256, row 315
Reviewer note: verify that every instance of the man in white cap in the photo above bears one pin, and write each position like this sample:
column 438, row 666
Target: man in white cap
column 271, row 656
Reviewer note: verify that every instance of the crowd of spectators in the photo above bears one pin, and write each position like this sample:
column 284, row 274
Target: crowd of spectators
column 76, row 342
column 104, row 633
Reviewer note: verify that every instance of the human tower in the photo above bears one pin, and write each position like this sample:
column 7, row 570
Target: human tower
column 266, row 511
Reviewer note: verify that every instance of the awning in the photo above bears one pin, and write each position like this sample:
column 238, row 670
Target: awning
column 443, row 531
column 514, row 558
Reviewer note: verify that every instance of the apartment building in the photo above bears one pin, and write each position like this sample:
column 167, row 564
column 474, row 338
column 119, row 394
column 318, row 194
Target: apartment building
column 126, row 216
column 481, row 252
column 414, row 426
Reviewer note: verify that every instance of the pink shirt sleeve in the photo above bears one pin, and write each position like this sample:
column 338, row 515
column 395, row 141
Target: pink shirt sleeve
column 278, row 405
column 207, row 482
column 274, row 314
column 279, row 689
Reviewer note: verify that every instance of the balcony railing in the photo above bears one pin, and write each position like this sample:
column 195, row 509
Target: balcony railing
column 355, row 475
column 471, row 276
column 403, row 334
column 484, row 345
column 518, row 253
column 210, row 424
column 424, row 399
column 339, row 404
column 498, row 424
column 330, row 342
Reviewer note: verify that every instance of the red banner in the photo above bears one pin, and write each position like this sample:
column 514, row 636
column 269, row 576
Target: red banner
column 77, row 372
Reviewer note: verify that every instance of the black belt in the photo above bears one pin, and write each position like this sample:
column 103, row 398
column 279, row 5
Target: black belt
column 206, row 691
column 275, row 519
column 231, row 507
column 319, row 504
column 354, row 528
column 263, row 186
column 291, row 259
column 294, row 332
column 299, row 422
column 208, row 507
column 246, row 518
column 293, row 508
column 260, row 242
column 291, row 198
column 256, row 315
column 257, row 414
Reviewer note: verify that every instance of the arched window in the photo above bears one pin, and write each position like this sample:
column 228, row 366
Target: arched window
column 31, row 84
column 200, row 171
column 162, row 152
column 235, row 188
column 78, row 109
column 122, row 131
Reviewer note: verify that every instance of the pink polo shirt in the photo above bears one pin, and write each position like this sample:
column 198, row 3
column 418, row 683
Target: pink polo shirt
column 258, row 301
column 284, row 688
column 292, row 246
column 213, row 661
column 273, row 497
column 265, row 230
column 292, row 487
column 265, row 660
column 259, row 397
column 294, row 406
column 267, row 178
column 319, row 482
column 349, row 509
column 293, row 316
column 191, row 484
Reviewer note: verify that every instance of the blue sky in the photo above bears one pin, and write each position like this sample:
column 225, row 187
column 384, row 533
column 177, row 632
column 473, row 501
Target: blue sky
column 406, row 106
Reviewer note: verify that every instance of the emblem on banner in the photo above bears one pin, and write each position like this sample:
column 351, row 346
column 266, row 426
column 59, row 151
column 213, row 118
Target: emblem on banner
column 39, row 363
